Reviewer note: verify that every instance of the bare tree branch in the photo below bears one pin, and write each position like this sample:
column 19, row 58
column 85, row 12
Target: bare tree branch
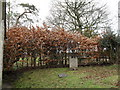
column 78, row 15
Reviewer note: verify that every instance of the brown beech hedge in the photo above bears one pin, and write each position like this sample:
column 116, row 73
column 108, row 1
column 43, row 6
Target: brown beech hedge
column 24, row 42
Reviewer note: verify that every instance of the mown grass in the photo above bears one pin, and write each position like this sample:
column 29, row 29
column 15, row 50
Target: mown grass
column 84, row 77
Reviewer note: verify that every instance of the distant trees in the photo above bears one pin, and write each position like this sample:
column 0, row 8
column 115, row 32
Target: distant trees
column 81, row 15
column 13, row 15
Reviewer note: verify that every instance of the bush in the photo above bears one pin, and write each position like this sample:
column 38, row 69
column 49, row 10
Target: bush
column 37, row 42
column 110, row 44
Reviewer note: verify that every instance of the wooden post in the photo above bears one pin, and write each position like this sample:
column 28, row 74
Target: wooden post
column 1, row 41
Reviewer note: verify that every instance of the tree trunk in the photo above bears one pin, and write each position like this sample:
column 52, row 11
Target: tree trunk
column 17, row 20
column 118, row 59
column 1, row 44
column 8, row 22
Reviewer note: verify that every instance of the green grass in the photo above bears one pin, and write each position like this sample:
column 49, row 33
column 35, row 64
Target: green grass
column 84, row 77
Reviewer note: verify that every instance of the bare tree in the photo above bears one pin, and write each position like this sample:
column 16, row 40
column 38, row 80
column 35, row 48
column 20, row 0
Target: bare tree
column 31, row 9
column 16, row 18
column 81, row 15
column 10, row 13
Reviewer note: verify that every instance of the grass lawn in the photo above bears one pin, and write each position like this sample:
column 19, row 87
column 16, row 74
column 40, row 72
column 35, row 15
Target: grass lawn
column 84, row 77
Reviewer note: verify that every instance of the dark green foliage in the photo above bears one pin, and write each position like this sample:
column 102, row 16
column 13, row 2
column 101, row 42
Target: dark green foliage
column 29, row 7
column 109, row 44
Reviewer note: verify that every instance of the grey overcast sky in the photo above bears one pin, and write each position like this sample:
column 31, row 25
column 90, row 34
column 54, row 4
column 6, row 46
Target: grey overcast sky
column 44, row 6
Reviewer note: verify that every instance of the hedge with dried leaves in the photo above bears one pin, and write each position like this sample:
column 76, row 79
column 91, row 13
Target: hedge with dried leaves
column 34, row 42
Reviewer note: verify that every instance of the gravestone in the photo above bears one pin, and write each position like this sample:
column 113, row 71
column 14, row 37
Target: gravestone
column 73, row 62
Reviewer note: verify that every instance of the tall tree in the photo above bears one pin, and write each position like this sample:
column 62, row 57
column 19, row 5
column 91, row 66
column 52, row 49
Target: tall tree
column 10, row 13
column 31, row 9
column 16, row 18
column 81, row 15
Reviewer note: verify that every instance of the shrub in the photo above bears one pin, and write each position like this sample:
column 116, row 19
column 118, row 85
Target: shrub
column 40, row 42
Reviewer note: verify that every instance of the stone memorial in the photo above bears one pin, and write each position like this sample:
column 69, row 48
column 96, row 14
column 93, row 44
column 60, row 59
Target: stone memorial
column 73, row 63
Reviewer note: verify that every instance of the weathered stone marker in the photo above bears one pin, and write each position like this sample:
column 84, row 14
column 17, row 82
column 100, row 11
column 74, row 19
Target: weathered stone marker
column 73, row 62
column 62, row 75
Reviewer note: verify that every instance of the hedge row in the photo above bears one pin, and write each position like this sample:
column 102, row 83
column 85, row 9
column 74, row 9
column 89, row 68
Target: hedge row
column 41, row 42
